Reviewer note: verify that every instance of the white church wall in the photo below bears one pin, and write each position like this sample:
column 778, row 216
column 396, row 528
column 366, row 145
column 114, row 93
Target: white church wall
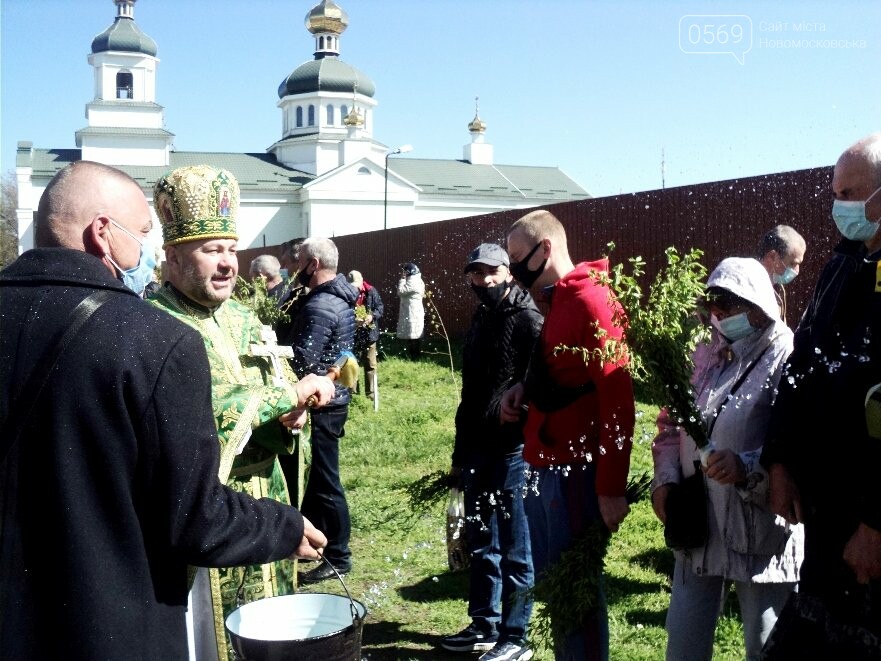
column 120, row 116
column 268, row 221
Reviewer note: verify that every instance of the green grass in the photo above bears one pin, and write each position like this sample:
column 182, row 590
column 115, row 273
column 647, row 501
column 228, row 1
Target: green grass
column 400, row 563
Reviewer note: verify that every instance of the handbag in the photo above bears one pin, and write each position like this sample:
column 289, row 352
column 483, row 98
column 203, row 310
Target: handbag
column 687, row 526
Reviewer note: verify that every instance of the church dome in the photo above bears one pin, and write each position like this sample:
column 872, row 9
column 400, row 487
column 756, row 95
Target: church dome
column 124, row 34
column 329, row 74
column 326, row 16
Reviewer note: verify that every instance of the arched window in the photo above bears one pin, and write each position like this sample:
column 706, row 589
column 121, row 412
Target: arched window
column 330, row 115
column 363, row 170
column 311, row 115
column 320, row 43
column 299, row 116
column 124, row 85
column 344, row 112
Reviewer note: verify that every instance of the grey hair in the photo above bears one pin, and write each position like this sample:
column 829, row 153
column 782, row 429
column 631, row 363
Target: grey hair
column 324, row 250
column 783, row 239
column 870, row 147
column 266, row 265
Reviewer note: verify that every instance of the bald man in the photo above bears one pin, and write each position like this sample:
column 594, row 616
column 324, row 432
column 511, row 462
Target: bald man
column 109, row 455
column 822, row 461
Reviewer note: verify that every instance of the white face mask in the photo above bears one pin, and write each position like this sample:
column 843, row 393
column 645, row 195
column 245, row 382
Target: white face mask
column 139, row 276
column 735, row 327
column 850, row 218
column 786, row 277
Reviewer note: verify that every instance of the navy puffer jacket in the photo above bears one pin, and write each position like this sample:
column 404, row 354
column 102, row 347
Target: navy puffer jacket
column 323, row 327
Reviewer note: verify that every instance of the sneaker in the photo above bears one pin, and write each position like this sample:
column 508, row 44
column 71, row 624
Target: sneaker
column 470, row 639
column 508, row 651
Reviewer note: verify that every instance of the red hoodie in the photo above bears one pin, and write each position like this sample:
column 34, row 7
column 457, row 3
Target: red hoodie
column 598, row 426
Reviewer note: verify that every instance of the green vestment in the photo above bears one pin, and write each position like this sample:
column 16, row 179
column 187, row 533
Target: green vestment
column 246, row 407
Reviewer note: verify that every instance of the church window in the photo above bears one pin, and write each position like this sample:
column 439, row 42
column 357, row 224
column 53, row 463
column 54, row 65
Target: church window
column 320, row 43
column 344, row 112
column 363, row 170
column 299, row 116
column 330, row 115
column 124, row 85
column 311, row 115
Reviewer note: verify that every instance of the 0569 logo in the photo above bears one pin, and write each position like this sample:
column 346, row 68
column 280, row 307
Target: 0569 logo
column 716, row 34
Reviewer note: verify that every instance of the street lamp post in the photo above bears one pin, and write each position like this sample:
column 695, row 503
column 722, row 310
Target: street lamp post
column 403, row 149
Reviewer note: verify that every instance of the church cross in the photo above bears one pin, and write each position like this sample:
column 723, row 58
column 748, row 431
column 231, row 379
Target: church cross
column 269, row 347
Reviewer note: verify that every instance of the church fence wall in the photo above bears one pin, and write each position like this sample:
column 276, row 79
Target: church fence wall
column 725, row 218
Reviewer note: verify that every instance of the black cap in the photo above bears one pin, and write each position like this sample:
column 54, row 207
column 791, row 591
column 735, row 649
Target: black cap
column 410, row 268
column 491, row 254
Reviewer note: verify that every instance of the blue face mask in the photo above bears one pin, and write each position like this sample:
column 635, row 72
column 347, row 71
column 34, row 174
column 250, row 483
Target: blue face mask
column 735, row 327
column 786, row 277
column 139, row 276
column 850, row 218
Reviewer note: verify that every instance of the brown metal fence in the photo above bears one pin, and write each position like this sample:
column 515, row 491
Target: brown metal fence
column 724, row 219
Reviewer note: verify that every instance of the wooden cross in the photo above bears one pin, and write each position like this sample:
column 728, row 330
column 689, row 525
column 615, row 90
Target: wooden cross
column 270, row 348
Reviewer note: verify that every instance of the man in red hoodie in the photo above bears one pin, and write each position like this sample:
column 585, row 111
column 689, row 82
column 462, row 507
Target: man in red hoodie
column 579, row 424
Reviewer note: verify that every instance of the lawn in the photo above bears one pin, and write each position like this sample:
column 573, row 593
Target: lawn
column 400, row 564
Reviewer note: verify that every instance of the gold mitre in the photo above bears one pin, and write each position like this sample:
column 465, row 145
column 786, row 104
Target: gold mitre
column 196, row 203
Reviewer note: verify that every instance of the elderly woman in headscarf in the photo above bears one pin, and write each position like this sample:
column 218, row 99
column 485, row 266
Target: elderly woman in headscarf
column 735, row 381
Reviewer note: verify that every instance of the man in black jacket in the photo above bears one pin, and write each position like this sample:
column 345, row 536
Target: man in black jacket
column 110, row 490
column 322, row 329
column 488, row 459
column 822, row 462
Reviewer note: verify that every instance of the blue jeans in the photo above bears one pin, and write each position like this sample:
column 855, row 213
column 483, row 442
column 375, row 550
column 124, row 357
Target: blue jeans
column 694, row 611
column 498, row 540
column 559, row 507
column 324, row 502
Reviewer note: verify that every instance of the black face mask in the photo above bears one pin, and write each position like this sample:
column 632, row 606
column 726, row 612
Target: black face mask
column 491, row 296
column 303, row 278
column 521, row 271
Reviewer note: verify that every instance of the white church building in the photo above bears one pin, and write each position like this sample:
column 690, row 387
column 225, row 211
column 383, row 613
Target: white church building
column 326, row 175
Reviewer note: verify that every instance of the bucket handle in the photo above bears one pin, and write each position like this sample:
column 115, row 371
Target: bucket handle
column 355, row 619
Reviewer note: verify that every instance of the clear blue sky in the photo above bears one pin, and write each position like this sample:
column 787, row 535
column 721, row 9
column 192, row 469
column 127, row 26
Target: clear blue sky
column 597, row 88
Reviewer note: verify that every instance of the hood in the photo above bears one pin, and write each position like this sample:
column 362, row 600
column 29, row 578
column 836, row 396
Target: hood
column 747, row 278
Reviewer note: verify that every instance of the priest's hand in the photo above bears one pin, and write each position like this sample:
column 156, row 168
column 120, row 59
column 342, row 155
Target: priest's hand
column 295, row 418
column 320, row 386
column 312, row 544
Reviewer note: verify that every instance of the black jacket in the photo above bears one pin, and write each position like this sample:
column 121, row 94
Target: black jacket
column 322, row 328
column 818, row 424
column 497, row 349
column 112, row 490
column 366, row 336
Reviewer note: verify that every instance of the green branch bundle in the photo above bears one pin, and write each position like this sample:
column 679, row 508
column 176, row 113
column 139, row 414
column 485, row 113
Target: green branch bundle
column 255, row 296
column 660, row 333
column 568, row 592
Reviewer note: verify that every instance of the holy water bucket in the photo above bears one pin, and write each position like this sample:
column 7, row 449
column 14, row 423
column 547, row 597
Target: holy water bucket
column 301, row 627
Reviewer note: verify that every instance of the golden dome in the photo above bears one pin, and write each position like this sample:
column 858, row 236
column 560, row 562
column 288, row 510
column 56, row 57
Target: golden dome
column 327, row 16
column 477, row 125
column 354, row 118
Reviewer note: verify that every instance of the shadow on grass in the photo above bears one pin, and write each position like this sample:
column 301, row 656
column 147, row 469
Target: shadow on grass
column 449, row 585
column 656, row 559
column 390, row 641
column 648, row 618
column 617, row 587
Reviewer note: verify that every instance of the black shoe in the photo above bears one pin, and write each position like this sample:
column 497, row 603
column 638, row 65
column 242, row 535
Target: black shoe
column 470, row 639
column 320, row 573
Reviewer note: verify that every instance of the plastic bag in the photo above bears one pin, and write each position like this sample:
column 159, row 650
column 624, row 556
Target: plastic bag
column 457, row 545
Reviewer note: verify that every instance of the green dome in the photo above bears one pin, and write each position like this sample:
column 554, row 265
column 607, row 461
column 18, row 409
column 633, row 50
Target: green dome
column 124, row 35
column 328, row 74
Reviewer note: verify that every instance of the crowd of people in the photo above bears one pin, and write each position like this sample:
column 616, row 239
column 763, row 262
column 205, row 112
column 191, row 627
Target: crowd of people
column 172, row 479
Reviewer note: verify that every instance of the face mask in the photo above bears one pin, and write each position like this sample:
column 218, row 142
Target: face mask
column 521, row 271
column 786, row 277
column 139, row 276
column 303, row 278
column 850, row 218
column 491, row 296
column 733, row 328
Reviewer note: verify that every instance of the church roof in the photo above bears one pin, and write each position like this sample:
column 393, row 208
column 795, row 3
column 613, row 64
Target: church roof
column 461, row 178
column 328, row 74
column 435, row 177
column 253, row 171
column 124, row 35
